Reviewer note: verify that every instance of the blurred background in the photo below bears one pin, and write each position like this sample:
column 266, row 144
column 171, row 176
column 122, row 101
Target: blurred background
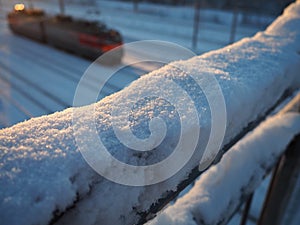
column 43, row 56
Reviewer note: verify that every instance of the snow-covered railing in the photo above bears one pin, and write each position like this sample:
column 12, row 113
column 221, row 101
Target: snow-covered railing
column 219, row 192
column 45, row 180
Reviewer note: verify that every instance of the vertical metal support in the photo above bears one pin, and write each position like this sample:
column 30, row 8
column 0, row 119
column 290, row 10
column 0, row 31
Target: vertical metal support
column 246, row 210
column 62, row 7
column 196, row 24
column 282, row 185
column 233, row 25
column 30, row 4
column 135, row 5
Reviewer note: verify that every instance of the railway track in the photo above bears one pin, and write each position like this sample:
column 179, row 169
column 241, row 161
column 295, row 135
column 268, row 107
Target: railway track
column 25, row 94
column 70, row 71
column 28, row 82
column 19, row 87
column 31, row 94
column 9, row 107
column 15, row 103
column 71, row 67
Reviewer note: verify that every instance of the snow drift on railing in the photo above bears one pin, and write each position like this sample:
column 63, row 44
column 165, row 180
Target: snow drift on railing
column 44, row 179
column 217, row 193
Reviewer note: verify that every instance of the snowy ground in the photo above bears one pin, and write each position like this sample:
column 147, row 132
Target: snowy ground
column 38, row 79
column 167, row 23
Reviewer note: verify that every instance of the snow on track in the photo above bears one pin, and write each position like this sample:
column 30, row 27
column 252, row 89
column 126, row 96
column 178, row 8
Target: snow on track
column 64, row 70
column 43, row 79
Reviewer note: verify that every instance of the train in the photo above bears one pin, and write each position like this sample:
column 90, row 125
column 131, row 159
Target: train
column 81, row 37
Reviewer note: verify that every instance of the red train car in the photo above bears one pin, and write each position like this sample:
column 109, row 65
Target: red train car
column 85, row 38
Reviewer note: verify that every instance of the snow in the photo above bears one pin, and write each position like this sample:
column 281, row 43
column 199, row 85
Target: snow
column 218, row 191
column 58, row 73
column 158, row 22
column 292, row 215
column 44, row 176
column 30, row 186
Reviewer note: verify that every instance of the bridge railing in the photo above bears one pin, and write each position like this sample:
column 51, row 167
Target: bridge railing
column 220, row 192
column 55, row 169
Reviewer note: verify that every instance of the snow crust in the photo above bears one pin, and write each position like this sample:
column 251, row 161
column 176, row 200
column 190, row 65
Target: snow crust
column 218, row 191
column 43, row 175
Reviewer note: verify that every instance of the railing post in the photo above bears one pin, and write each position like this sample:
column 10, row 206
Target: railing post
column 30, row 4
column 196, row 24
column 135, row 5
column 246, row 210
column 233, row 24
column 62, row 7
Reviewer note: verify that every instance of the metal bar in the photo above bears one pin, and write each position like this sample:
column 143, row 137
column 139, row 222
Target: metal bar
column 196, row 24
column 246, row 210
column 282, row 181
column 135, row 5
column 233, row 25
column 161, row 203
column 292, row 106
column 30, row 4
column 62, row 7
column 282, row 185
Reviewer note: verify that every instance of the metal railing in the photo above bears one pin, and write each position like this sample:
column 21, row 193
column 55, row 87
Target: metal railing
column 283, row 180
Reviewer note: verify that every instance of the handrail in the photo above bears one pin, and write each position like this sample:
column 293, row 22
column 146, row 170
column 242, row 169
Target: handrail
column 41, row 158
column 284, row 177
column 203, row 203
